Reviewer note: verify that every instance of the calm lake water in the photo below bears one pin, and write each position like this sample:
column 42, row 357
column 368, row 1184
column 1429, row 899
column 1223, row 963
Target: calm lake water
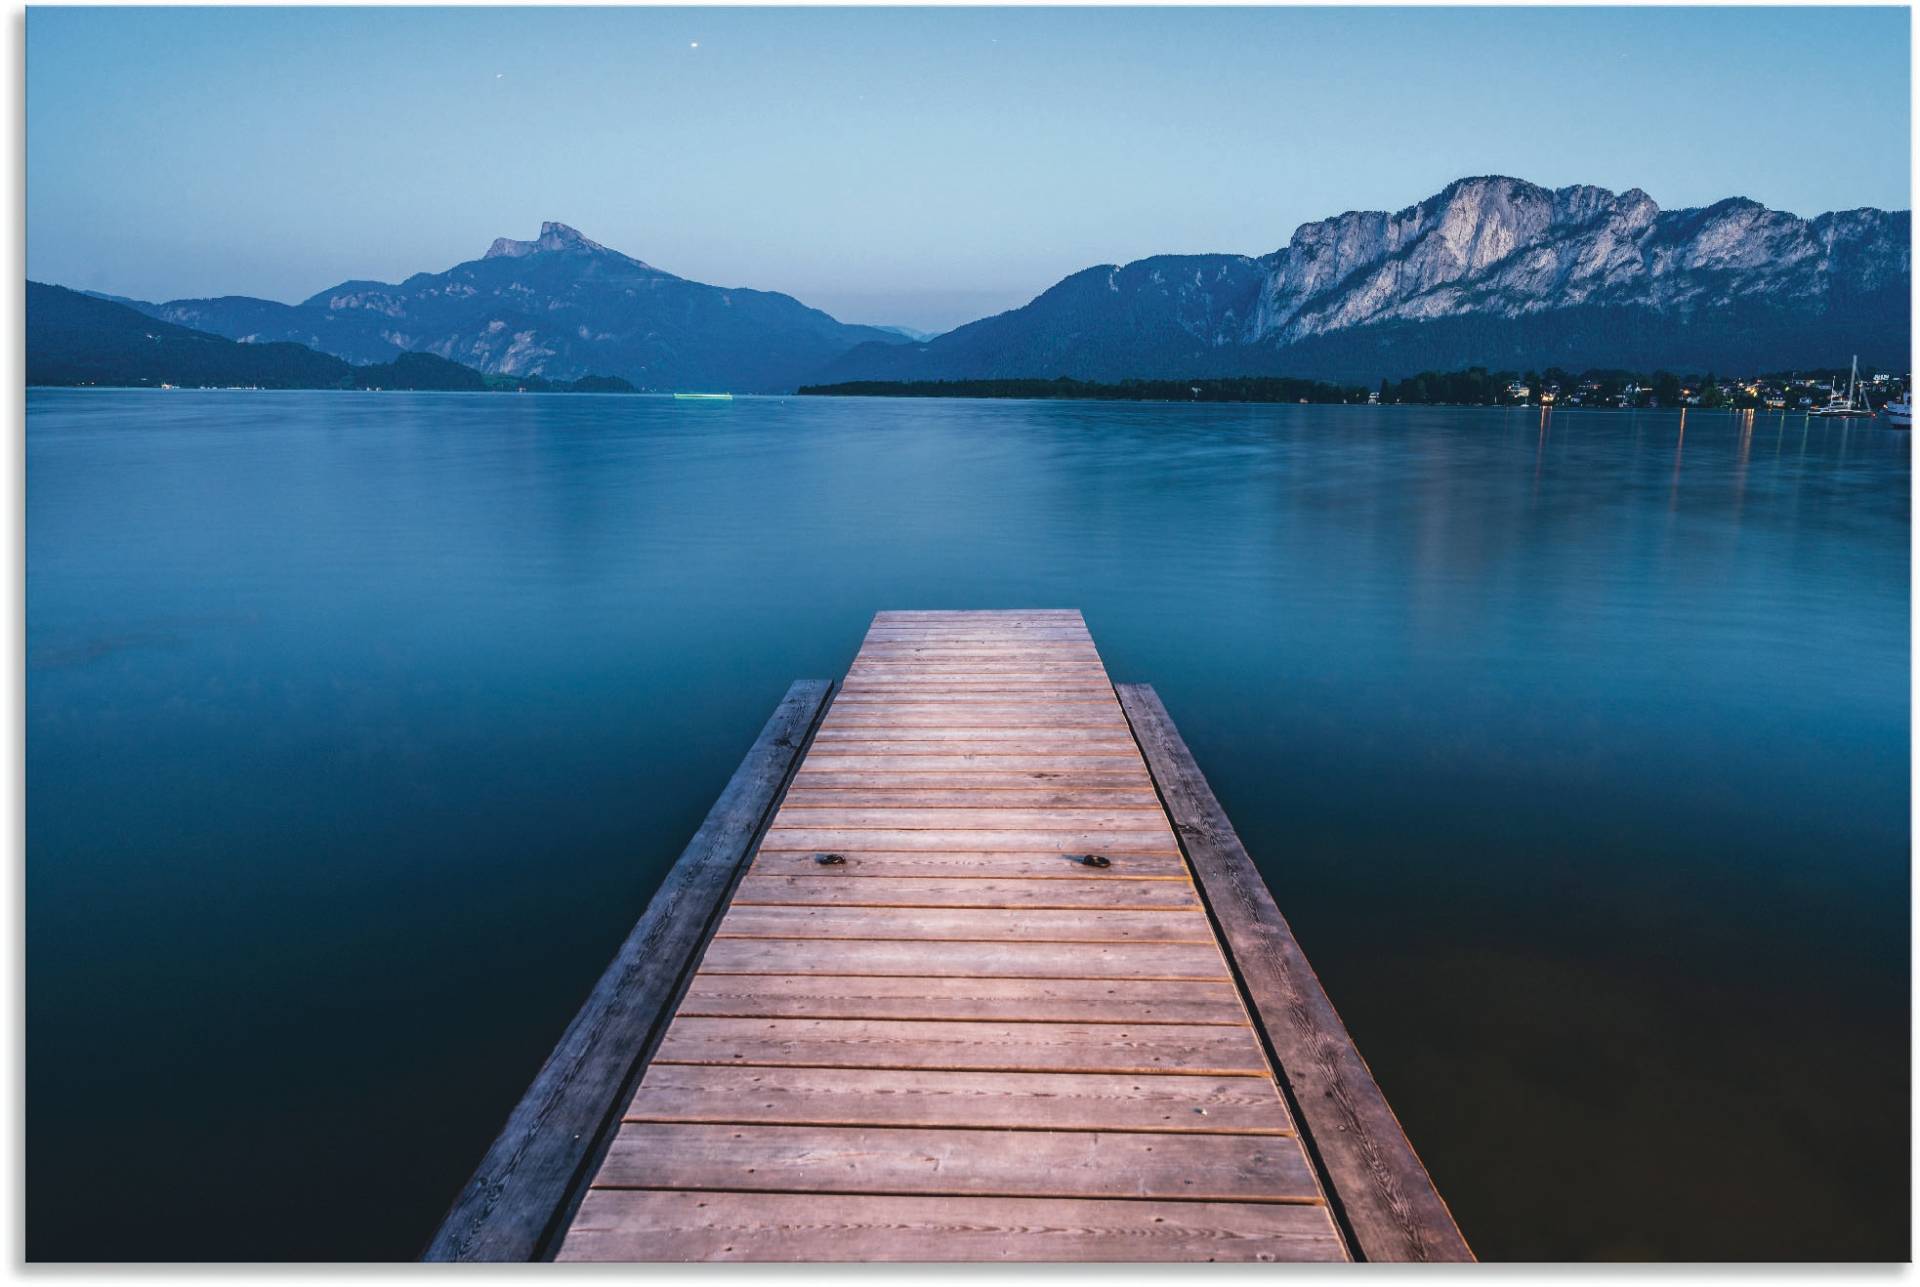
column 360, row 728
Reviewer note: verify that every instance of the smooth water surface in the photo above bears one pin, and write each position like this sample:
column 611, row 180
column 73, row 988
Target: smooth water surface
column 360, row 728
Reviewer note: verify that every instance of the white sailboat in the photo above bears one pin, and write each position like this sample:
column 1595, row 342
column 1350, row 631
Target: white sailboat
column 1847, row 406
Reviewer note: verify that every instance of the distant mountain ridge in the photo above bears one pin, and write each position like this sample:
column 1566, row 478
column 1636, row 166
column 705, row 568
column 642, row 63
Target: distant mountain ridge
column 559, row 306
column 81, row 338
column 1491, row 270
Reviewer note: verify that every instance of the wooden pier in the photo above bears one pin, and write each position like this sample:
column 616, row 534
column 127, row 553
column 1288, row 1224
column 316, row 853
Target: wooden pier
column 966, row 964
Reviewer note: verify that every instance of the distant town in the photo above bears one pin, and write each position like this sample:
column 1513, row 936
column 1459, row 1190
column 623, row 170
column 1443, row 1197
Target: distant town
column 1474, row 387
column 1777, row 391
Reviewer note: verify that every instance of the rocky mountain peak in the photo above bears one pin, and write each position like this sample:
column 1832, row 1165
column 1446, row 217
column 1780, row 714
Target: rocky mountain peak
column 553, row 237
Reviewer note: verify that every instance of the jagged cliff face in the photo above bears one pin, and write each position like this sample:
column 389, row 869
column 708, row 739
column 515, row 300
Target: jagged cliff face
column 1506, row 248
column 1431, row 259
column 1490, row 270
column 560, row 306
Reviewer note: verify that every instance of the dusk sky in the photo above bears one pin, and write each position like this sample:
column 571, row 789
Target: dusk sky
column 917, row 167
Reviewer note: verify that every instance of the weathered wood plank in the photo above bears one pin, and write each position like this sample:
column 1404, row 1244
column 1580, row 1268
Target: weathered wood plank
column 811, row 778
column 1041, row 651
column 1032, row 739
column 978, row 798
column 1016, row 864
column 992, row 688
column 1023, row 1000
column 1185, row 1105
column 934, row 675
column 979, row 614
column 1066, row 633
column 907, row 818
column 921, row 662
column 895, row 759
column 881, row 1160
column 972, row 697
column 515, row 1205
column 966, row 960
column 1086, row 716
column 948, row 753
column 978, row 1045
column 1097, row 893
column 1378, row 1182
column 630, row 1224
column 928, row 706
column 1093, row 703
column 991, row 630
column 1065, row 839
column 998, row 628
column 1034, row 641
column 1052, row 651
column 966, row 924
column 975, row 703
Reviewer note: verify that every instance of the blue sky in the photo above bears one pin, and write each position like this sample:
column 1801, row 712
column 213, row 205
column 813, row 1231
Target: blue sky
column 921, row 167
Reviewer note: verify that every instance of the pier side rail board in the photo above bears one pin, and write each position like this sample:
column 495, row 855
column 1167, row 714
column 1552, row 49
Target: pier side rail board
column 519, row 1200
column 1379, row 1186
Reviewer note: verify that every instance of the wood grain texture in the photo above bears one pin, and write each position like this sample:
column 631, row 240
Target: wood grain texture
column 526, row 1185
column 965, row 924
column 984, row 688
column 1032, row 740
column 986, row 1163
column 901, row 777
column 966, row 960
column 630, row 1225
column 964, row 891
column 895, row 759
column 1094, row 816
column 852, row 996
column 1029, row 864
column 899, row 795
column 1064, row 838
column 930, row 719
column 1379, row 1184
column 980, row 1046
column 1080, row 1101
column 1092, row 703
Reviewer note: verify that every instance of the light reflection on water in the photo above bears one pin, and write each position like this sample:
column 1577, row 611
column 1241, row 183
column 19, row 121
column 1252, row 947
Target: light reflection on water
column 360, row 727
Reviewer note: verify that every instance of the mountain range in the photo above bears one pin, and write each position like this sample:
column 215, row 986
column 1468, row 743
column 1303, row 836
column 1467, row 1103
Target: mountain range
column 560, row 306
column 1490, row 271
